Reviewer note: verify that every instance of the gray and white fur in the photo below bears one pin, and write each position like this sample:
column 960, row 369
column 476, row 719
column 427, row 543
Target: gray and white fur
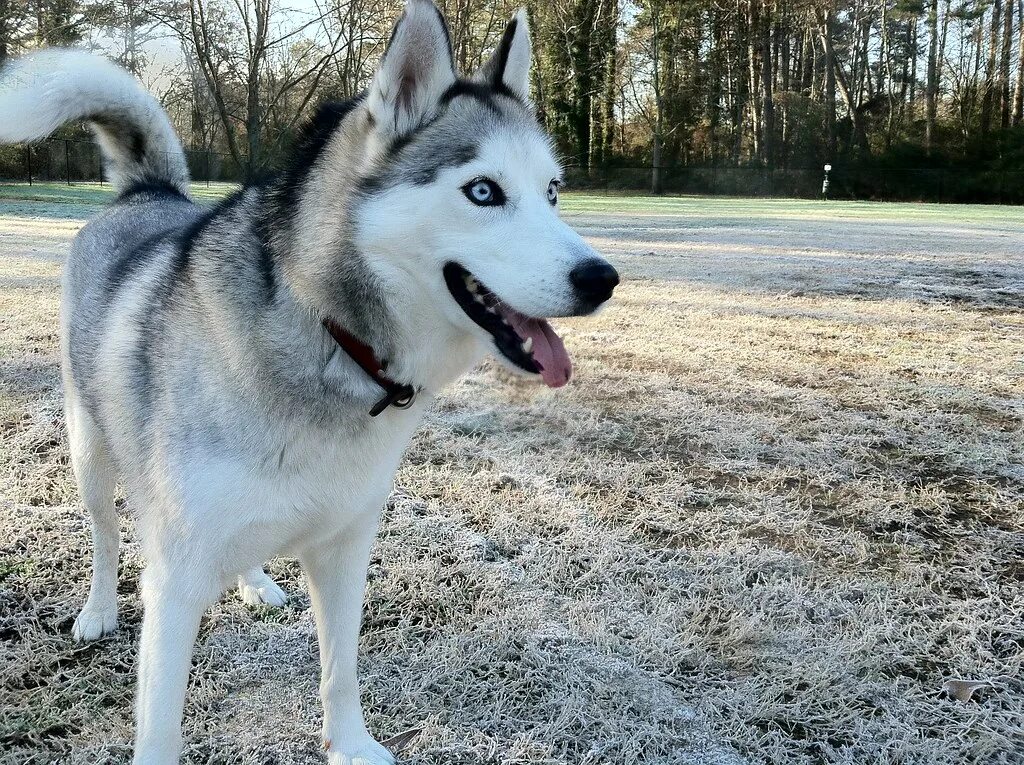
column 197, row 370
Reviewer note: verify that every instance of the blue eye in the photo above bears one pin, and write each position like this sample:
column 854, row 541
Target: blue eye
column 484, row 192
column 553, row 191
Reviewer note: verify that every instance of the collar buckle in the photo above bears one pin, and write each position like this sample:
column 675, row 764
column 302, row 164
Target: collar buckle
column 397, row 395
column 400, row 397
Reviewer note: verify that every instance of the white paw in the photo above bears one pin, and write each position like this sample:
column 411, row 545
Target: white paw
column 362, row 750
column 256, row 588
column 94, row 622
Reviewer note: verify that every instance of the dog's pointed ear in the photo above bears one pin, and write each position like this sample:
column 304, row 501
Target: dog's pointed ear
column 415, row 73
column 509, row 65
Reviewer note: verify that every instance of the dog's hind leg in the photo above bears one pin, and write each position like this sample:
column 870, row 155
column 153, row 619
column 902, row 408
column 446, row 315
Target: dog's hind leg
column 174, row 598
column 96, row 481
column 257, row 588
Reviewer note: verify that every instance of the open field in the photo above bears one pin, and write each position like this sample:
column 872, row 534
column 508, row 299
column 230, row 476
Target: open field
column 779, row 507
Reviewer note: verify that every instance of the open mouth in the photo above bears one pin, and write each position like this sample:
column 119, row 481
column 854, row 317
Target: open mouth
column 530, row 344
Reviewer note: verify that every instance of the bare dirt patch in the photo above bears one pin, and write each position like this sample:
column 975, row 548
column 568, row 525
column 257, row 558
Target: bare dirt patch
column 779, row 507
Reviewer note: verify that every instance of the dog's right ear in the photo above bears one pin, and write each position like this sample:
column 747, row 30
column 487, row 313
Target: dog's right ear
column 417, row 70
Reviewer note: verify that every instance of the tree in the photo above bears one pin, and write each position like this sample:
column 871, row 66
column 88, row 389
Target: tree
column 1018, row 93
column 131, row 25
column 260, row 70
column 575, row 41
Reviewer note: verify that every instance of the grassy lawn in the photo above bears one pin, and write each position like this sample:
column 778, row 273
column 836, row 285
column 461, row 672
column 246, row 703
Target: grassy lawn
column 92, row 193
column 709, row 210
column 807, row 209
column 777, row 509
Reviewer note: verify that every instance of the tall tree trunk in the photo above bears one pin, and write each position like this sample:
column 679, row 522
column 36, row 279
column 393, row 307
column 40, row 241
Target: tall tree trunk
column 1018, row 93
column 905, row 73
column 839, row 81
column 40, row 24
column 940, row 60
column 912, row 32
column 825, row 33
column 659, row 119
column 203, row 46
column 1004, row 65
column 6, row 27
column 932, row 86
column 716, row 74
column 767, row 80
column 738, row 94
column 884, row 71
column 754, row 75
column 608, row 105
column 254, row 105
column 886, row 86
column 656, row 182
column 786, row 62
column 989, row 99
column 622, row 123
column 809, row 66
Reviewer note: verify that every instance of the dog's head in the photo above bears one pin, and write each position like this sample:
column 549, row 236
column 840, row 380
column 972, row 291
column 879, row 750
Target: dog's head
column 461, row 195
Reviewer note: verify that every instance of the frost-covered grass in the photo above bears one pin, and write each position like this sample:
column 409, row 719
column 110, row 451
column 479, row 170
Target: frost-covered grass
column 780, row 505
column 734, row 209
column 93, row 193
column 58, row 200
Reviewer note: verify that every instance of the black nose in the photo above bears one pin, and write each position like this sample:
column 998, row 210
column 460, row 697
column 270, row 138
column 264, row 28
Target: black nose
column 594, row 280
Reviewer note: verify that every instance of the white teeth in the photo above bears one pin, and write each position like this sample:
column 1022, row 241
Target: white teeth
column 478, row 298
column 528, row 344
column 491, row 309
column 472, row 284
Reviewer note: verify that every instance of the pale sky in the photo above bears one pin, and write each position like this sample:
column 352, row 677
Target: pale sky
column 164, row 50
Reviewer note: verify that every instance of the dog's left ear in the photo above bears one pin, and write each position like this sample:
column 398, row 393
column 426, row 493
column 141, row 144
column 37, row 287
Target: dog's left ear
column 417, row 70
column 509, row 65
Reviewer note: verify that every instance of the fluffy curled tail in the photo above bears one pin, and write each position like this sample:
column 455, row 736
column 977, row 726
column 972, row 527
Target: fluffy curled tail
column 42, row 91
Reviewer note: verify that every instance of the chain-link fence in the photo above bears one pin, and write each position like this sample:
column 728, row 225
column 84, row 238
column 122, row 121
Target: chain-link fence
column 71, row 161
column 911, row 185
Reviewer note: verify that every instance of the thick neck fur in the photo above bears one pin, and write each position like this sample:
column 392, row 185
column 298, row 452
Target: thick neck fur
column 322, row 273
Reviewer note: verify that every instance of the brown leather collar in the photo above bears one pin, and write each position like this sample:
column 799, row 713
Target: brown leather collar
column 397, row 395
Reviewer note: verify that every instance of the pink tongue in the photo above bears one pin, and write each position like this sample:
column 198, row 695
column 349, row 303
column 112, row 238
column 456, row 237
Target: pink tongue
column 548, row 350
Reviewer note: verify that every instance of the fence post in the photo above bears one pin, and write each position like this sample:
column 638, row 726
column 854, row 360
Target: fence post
column 28, row 162
column 67, row 160
column 207, row 168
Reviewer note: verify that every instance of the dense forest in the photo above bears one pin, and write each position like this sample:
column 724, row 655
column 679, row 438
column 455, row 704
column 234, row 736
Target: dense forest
column 651, row 83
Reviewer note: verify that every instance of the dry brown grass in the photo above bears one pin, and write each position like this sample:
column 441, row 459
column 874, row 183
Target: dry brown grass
column 779, row 507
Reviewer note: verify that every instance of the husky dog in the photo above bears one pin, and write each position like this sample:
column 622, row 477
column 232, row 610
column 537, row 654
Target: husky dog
column 252, row 373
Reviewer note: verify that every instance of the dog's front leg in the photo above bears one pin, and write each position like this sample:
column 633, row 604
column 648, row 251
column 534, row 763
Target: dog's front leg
column 174, row 601
column 336, row 571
